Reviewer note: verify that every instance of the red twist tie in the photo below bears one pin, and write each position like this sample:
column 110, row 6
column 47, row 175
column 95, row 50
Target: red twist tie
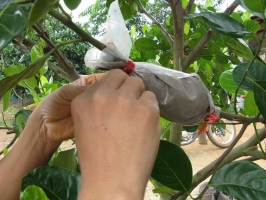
column 208, row 119
column 130, row 66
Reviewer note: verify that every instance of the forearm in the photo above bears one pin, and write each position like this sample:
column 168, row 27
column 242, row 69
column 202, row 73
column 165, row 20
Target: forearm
column 29, row 152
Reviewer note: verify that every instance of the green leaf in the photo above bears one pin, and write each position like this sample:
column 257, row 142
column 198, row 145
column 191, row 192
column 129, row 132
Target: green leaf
column 162, row 190
column 36, row 54
column 260, row 96
column 145, row 44
column 10, row 82
column 72, row 4
column 227, row 82
column 252, row 26
column 39, row 9
column 184, row 4
column 186, row 28
column 6, row 100
column 33, row 192
column 190, row 128
column 256, row 72
column 165, row 58
column 250, row 105
column 242, row 180
column 222, row 23
column 30, row 83
column 12, row 23
column 66, row 159
column 57, row 183
column 255, row 7
column 240, row 49
column 168, row 168
column 20, row 120
column 146, row 28
column 4, row 3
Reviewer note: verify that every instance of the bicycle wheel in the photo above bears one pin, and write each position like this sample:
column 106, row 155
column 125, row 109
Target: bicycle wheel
column 222, row 135
column 188, row 137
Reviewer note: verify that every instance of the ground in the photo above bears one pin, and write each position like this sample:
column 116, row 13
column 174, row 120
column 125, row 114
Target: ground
column 200, row 155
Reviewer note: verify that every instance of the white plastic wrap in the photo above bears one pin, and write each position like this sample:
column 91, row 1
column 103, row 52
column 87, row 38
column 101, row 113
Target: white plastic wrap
column 182, row 97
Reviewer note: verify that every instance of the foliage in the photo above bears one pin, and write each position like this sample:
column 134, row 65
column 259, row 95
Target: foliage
column 184, row 36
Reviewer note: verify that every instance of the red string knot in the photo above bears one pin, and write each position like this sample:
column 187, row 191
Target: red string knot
column 208, row 119
column 130, row 66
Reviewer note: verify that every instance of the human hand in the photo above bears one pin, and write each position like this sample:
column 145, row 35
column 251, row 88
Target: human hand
column 116, row 126
column 53, row 114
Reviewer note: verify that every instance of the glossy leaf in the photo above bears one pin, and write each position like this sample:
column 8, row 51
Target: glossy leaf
column 57, row 183
column 172, row 167
column 184, row 4
column 227, row 82
column 66, row 159
column 222, row 23
column 240, row 49
column 255, row 7
column 260, row 96
column 255, row 72
column 6, row 100
column 20, row 120
column 30, row 83
column 10, row 82
column 145, row 44
column 72, row 4
column 4, row 3
column 33, row 192
column 36, row 53
column 163, row 190
column 250, row 105
column 242, row 180
column 39, row 9
column 12, row 23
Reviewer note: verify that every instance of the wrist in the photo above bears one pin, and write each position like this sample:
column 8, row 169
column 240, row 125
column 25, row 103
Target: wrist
column 94, row 192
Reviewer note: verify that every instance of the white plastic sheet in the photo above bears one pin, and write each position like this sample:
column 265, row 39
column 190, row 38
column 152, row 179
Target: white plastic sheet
column 182, row 97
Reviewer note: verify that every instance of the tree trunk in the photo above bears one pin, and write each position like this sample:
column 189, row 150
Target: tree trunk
column 178, row 54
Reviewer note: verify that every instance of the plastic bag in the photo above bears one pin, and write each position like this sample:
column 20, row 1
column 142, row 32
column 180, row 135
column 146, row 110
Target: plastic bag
column 182, row 97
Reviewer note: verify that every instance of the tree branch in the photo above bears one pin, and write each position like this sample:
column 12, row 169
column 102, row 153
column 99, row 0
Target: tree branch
column 59, row 71
column 168, row 36
column 189, row 7
column 205, row 39
column 81, row 33
column 234, row 154
column 57, row 53
column 10, row 144
column 242, row 119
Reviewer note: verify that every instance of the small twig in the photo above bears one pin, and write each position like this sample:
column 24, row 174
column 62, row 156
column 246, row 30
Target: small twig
column 217, row 162
column 81, row 33
column 259, row 142
column 242, row 119
column 205, row 39
column 10, row 144
column 189, row 7
column 163, row 30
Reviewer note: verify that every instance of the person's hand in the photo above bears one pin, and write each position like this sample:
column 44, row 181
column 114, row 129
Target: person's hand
column 116, row 126
column 53, row 114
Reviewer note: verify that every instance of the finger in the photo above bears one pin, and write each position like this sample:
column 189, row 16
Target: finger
column 88, row 79
column 69, row 92
column 114, row 79
column 149, row 99
column 133, row 87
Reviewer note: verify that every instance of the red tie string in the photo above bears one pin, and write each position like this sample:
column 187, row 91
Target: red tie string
column 130, row 66
column 208, row 119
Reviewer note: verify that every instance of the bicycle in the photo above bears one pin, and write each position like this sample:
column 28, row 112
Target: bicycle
column 221, row 135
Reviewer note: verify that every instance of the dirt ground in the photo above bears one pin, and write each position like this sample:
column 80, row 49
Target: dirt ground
column 200, row 155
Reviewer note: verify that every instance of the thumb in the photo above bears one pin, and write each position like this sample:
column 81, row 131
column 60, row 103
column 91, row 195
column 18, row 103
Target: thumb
column 69, row 92
column 88, row 79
